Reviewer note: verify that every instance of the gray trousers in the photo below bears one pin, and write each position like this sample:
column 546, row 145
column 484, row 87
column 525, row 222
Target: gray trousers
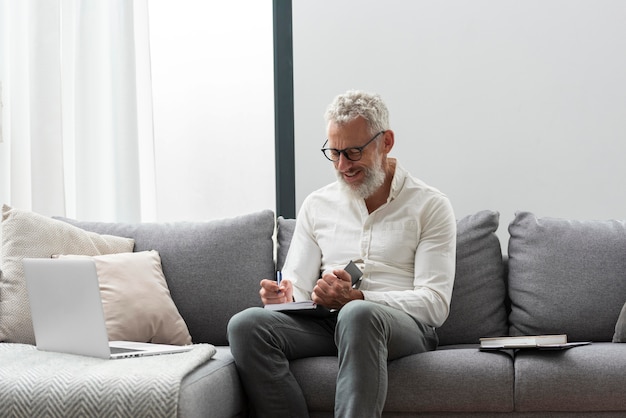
column 364, row 336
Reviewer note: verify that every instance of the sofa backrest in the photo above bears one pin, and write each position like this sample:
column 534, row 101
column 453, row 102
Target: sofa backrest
column 563, row 276
column 478, row 299
column 212, row 268
column 566, row 276
column 478, row 306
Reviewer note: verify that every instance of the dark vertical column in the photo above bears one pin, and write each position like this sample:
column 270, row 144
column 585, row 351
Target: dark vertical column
column 283, row 110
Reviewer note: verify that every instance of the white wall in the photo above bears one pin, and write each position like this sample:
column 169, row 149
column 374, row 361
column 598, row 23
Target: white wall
column 212, row 73
column 503, row 105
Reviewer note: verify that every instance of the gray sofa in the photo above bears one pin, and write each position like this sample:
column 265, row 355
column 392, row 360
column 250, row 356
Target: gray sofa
column 557, row 276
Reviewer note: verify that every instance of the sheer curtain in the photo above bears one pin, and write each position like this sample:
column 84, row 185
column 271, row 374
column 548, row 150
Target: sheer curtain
column 77, row 137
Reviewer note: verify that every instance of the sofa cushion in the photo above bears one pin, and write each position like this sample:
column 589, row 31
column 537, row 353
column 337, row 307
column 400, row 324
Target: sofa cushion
column 462, row 379
column 285, row 228
column 478, row 306
column 590, row 378
column 213, row 389
column 478, row 298
column 566, row 276
column 213, row 268
column 136, row 301
column 29, row 234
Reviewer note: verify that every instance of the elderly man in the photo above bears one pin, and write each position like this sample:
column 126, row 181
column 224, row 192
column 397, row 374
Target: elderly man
column 399, row 231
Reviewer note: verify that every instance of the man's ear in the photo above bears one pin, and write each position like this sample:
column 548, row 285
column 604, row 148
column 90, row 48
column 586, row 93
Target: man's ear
column 388, row 141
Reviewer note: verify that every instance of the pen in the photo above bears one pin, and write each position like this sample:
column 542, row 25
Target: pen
column 279, row 278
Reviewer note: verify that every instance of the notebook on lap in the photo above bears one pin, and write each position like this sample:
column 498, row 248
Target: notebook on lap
column 66, row 309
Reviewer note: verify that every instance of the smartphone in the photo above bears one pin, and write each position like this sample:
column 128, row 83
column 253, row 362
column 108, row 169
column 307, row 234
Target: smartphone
column 355, row 274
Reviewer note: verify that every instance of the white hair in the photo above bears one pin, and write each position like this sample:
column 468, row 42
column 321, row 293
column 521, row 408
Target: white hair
column 354, row 103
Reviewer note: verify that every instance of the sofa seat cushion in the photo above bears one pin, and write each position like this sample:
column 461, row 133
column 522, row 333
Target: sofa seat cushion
column 460, row 379
column 213, row 389
column 589, row 378
column 566, row 276
column 213, row 268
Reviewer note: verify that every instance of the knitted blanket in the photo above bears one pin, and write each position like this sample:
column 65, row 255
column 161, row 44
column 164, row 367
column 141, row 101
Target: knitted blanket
column 41, row 384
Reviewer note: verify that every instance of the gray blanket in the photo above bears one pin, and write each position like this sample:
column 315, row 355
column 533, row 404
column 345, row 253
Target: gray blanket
column 40, row 384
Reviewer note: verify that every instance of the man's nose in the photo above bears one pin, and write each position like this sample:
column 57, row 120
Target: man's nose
column 343, row 162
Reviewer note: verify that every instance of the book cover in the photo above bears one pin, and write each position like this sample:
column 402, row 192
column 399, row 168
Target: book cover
column 542, row 342
column 306, row 307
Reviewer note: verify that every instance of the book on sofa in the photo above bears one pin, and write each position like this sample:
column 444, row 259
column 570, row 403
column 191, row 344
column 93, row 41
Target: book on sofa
column 541, row 342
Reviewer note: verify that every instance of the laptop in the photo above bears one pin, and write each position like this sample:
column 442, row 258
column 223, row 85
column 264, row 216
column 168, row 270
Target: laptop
column 67, row 313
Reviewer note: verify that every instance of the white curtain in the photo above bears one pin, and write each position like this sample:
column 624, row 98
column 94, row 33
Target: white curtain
column 77, row 136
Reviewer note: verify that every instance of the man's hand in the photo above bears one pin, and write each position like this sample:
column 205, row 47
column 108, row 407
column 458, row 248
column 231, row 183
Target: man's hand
column 271, row 293
column 335, row 290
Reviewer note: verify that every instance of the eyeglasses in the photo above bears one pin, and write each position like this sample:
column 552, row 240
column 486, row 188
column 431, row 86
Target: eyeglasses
column 352, row 153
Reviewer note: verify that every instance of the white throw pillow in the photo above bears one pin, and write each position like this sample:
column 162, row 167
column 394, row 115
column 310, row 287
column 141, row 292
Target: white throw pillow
column 620, row 327
column 136, row 299
column 28, row 234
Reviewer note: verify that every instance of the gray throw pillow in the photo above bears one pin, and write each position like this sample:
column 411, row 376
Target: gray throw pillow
column 284, row 233
column 478, row 305
column 212, row 268
column 477, row 308
column 620, row 327
column 566, row 276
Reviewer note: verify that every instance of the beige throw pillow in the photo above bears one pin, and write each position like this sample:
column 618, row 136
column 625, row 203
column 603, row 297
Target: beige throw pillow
column 136, row 300
column 28, row 234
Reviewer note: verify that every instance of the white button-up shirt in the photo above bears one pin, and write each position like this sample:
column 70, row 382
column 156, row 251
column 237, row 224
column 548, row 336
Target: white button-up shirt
column 406, row 248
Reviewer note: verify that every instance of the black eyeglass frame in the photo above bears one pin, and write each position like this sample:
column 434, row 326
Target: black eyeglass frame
column 345, row 150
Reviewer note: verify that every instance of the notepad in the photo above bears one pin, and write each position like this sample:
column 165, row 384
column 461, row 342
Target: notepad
column 307, row 307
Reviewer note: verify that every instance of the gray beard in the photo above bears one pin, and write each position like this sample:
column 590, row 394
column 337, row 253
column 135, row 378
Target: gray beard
column 374, row 179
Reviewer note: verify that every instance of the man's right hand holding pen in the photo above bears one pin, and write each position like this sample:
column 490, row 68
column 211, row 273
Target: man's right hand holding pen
column 276, row 291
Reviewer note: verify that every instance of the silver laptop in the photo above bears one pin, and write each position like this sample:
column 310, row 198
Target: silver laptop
column 67, row 312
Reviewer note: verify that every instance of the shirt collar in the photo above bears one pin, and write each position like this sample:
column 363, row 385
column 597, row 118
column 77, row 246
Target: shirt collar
column 399, row 176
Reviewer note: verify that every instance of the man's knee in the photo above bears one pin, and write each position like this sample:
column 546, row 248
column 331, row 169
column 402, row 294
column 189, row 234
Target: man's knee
column 244, row 323
column 357, row 311
column 360, row 316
